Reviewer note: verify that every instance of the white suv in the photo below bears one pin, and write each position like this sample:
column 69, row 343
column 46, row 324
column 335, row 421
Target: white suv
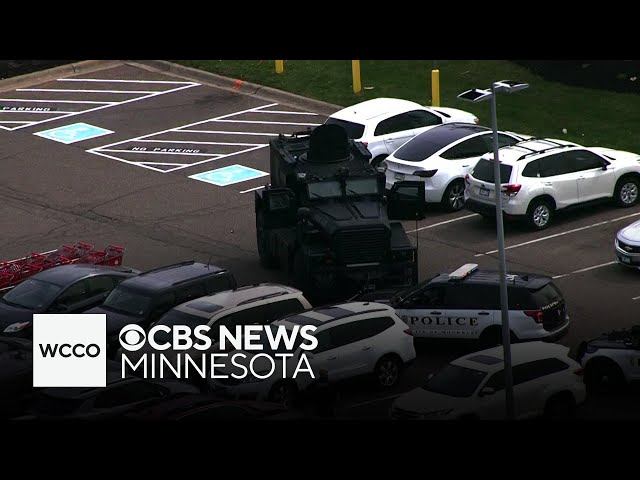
column 465, row 304
column 545, row 382
column 252, row 304
column 354, row 339
column 384, row 124
column 542, row 176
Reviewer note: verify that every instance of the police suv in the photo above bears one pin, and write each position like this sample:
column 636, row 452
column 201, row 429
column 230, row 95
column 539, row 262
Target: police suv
column 465, row 304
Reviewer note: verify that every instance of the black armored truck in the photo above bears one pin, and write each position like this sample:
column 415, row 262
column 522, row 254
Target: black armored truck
column 327, row 220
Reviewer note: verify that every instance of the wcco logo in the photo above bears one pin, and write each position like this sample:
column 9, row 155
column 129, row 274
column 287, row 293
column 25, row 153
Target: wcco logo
column 69, row 350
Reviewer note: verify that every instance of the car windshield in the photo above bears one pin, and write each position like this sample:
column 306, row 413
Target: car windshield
column 362, row 186
column 176, row 317
column 32, row 294
column 330, row 189
column 125, row 300
column 455, row 381
column 282, row 345
column 354, row 130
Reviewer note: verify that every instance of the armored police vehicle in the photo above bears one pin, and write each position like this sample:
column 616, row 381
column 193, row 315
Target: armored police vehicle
column 326, row 219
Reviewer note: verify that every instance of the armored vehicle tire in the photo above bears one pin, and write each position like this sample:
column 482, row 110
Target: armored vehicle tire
column 266, row 258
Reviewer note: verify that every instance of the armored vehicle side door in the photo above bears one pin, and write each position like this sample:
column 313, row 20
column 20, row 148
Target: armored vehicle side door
column 405, row 201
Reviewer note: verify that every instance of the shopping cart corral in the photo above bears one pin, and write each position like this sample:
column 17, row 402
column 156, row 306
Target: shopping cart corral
column 15, row 271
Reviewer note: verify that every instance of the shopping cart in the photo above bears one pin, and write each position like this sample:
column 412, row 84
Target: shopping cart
column 15, row 271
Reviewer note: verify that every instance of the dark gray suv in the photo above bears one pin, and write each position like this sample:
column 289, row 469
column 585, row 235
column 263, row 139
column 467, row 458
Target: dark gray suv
column 64, row 289
column 144, row 299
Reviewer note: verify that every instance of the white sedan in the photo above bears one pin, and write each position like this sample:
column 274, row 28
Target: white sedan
column 545, row 382
column 441, row 157
column 385, row 124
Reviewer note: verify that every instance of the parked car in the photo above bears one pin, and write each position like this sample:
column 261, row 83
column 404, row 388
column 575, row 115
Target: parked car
column 465, row 304
column 385, row 124
column 120, row 396
column 145, row 298
column 540, row 177
column 627, row 246
column 63, row 289
column 545, row 382
column 207, row 408
column 441, row 157
column 354, row 339
column 611, row 361
column 16, row 375
column 252, row 304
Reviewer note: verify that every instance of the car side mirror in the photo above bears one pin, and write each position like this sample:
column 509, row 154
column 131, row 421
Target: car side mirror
column 487, row 391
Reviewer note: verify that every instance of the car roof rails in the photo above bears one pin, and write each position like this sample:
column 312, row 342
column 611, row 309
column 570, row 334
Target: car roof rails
column 532, row 151
column 463, row 272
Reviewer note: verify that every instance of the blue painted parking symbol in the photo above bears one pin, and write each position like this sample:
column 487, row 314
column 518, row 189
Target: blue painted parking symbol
column 73, row 133
column 229, row 175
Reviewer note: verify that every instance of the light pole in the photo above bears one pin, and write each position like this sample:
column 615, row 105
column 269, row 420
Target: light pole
column 477, row 95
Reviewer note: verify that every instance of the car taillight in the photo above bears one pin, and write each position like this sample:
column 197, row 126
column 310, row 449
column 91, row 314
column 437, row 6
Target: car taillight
column 535, row 314
column 408, row 332
column 579, row 372
column 467, row 179
column 511, row 190
column 366, row 144
column 425, row 173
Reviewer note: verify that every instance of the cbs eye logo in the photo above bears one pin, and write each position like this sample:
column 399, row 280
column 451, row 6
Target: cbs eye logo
column 132, row 338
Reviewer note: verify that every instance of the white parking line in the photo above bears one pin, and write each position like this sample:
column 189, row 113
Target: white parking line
column 561, row 233
column 252, row 189
column 635, row 298
column 443, row 223
column 585, row 269
column 103, row 104
column 269, row 123
column 30, row 100
column 34, row 111
column 224, row 132
column 110, row 80
column 199, row 143
column 114, row 150
column 83, row 91
column 106, row 148
column 287, row 113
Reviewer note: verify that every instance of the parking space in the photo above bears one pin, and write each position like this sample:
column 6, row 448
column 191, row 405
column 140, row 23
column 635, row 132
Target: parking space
column 71, row 145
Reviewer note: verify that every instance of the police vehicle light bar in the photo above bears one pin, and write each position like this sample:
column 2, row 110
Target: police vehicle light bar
column 463, row 271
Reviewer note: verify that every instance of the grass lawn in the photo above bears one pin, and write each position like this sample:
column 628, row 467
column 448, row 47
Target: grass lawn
column 591, row 117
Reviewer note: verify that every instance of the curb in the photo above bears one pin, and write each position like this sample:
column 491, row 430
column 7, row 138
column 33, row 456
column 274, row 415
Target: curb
column 238, row 86
column 56, row 72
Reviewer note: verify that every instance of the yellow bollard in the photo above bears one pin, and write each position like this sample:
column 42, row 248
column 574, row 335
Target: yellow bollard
column 279, row 66
column 355, row 70
column 435, row 88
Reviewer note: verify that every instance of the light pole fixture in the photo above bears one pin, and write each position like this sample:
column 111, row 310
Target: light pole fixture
column 478, row 95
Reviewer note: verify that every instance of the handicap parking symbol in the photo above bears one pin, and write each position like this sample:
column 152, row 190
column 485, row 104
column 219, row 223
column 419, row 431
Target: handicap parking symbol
column 229, row 175
column 73, row 133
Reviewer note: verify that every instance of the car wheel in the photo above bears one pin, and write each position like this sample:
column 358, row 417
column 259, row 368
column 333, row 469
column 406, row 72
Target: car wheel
column 627, row 191
column 387, row 371
column 283, row 393
column 453, row 198
column 378, row 160
column 539, row 214
column 604, row 376
column 560, row 407
column 266, row 259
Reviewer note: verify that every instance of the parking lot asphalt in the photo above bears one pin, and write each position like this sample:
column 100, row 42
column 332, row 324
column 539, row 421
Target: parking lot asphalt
column 141, row 180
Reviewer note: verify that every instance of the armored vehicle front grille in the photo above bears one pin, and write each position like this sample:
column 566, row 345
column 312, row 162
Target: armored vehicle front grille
column 362, row 245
